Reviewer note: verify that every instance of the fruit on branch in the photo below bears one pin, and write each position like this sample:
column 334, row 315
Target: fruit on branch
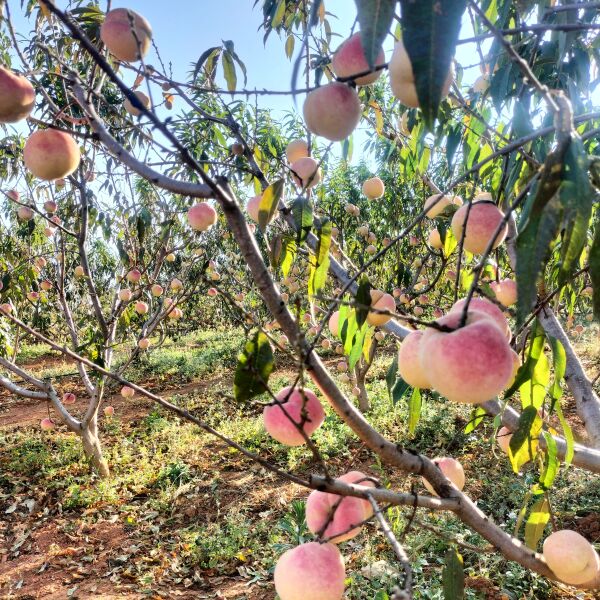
column 56, row 220
column 50, row 206
column 342, row 366
column 134, row 276
column 373, row 188
column 237, row 149
column 352, row 209
column 451, row 469
column 306, row 172
column 25, row 213
column 304, row 412
column 470, row 364
column 109, row 411
column 333, row 323
column 503, row 438
column 127, row 392
column 40, row 262
column 311, row 571
column 435, row 239
column 201, row 216
column 79, row 272
column 332, row 111
column 46, row 285
column 370, row 249
column 69, row 398
column 363, row 230
column 403, row 124
column 141, row 308
column 125, row 295
column 51, row 154
column 47, row 424
column 212, row 292
column 438, row 206
column 144, row 343
column 486, row 307
column 176, row 313
column 33, row 296
column 17, row 96
column 170, row 257
column 126, row 34
column 379, row 336
column 134, row 110
column 409, row 361
column 157, row 290
column 481, row 84
column 342, row 515
column 482, row 222
column 176, row 284
column 349, row 59
column 380, row 301
column 5, row 307
column 505, row 291
column 215, row 276
column 418, row 311
column 402, row 79
column 295, row 150
column 571, row 557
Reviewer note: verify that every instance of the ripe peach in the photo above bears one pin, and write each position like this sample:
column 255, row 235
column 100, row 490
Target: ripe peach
column 17, row 97
column 435, row 239
column 471, row 364
column 125, row 295
column 176, row 313
column 109, row 411
column 373, row 188
column 370, row 249
column 438, row 206
column 69, row 398
column 503, row 438
column 33, row 296
column 452, row 469
column 350, row 511
column 134, row 110
column 481, row 84
column 571, row 557
column 402, row 80
column 127, row 392
column 41, row 262
column 157, row 290
column 201, row 216
column 212, row 292
column 144, row 344
column 484, row 219
column 50, row 206
column 46, row 285
column 126, row 34
column 349, row 59
column 47, row 424
column 25, row 213
column 380, row 301
column 134, row 276
column 505, row 291
column 176, row 284
column 79, row 272
column 486, row 307
column 170, row 257
column 51, row 154
column 141, row 308
column 6, row 307
column 302, row 406
column 332, row 111
column 311, row 571
column 306, row 172
column 409, row 361
column 296, row 149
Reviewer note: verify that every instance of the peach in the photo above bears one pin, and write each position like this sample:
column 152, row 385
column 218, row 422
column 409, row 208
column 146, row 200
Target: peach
column 141, row 308
column 125, row 295
column 486, row 307
column 134, row 276
column 349, row 59
column 380, row 301
column 157, row 290
column 438, row 206
column 332, row 111
column 471, row 364
column 402, row 80
column 49, row 231
column 176, row 313
column 69, row 398
column 295, row 150
column 50, row 206
column 483, row 220
column 176, row 284
column 373, row 188
column 109, row 411
column 379, row 336
column 134, row 110
column 13, row 195
column 302, row 407
column 451, row 469
column 505, row 291
column 201, row 216
column 344, row 515
column 51, row 154
column 311, row 571
column 41, row 262
column 127, row 392
column 5, row 307
column 253, row 208
column 25, row 213
column 47, row 424
column 126, row 34
column 306, row 172
column 144, row 344
column 503, row 438
column 212, row 292
column 370, row 249
column 571, row 557
column 170, row 257
column 237, row 149
column 46, row 285
column 79, row 271
column 17, row 97
column 481, row 84
column 33, row 296
column 409, row 361
column 435, row 239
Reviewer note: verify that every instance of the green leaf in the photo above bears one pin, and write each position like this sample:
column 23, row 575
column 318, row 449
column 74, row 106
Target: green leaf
column 477, row 415
column 229, row 70
column 400, row 388
column 255, row 365
column 375, row 19
column 536, row 523
column 363, row 298
column 303, row 217
column 453, row 576
column 414, row 410
column 525, row 372
column 430, row 31
column 559, row 363
column 279, row 14
column 567, row 433
column 319, row 262
column 204, row 57
column 390, row 376
column 523, row 443
column 551, row 465
column 288, row 253
column 289, row 46
column 357, row 346
column 269, row 203
column 594, row 261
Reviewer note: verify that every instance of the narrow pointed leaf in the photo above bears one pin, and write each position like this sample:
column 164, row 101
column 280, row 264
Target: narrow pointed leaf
column 375, row 19
column 536, row 523
column 255, row 365
column 269, row 203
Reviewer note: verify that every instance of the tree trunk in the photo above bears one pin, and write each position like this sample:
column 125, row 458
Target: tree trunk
column 93, row 449
column 363, row 398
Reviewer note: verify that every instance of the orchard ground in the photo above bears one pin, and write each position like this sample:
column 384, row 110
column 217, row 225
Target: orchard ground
column 184, row 516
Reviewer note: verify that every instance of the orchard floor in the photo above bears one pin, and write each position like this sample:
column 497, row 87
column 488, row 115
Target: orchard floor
column 183, row 516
